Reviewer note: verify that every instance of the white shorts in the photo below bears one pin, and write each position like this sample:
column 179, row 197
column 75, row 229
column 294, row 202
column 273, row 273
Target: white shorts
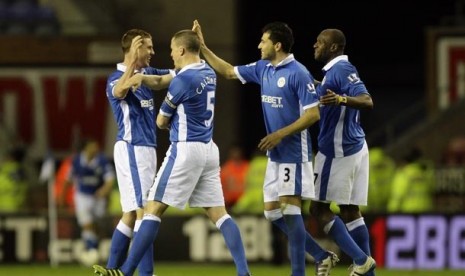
column 136, row 167
column 343, row 180
column 190, row 173
column 284, row 179
column 89, row 208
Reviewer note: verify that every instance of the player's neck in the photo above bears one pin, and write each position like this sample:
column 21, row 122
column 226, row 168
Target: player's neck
column 190, row 60
column 280, row 56
column 128, row 64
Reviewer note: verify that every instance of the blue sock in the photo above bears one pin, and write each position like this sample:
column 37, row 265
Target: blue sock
column 90, row 239
column 296, row 237
column 232, row 237
column 145, row 237
column 118, row 249
column 311, row 246
column 145, row 266
column 91, row 244
column 341, row 236
column 361, row 237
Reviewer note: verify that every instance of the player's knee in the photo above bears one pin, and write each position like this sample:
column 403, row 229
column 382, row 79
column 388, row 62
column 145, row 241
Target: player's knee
column 273, row 215
column 315, row 209
column 289, row 209
column 129, row 218
column 350, row 213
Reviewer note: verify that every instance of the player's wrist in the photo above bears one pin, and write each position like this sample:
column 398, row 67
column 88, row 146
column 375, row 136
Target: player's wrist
column 341, row 100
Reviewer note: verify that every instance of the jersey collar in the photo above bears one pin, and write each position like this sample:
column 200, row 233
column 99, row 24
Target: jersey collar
column 334, row 61
column 285, row 61
column 194, row 66
column 121, row 67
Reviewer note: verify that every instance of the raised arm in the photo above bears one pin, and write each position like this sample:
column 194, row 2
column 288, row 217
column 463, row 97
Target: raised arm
column 221, row 66
column 125, row 83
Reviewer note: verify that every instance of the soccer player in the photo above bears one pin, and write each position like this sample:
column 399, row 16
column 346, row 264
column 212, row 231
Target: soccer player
column 93, row 177
column 341, row 164
column 190, row 173
column 129, row 92
column 290, row 107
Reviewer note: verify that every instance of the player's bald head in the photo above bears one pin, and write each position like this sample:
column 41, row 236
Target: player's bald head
column 335, row 36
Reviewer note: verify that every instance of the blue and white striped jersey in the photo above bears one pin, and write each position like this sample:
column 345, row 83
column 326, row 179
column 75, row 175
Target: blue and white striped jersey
column 134, row 114
column 90, row 175
column 340, row 131
column 190, row 103
column 286, row 91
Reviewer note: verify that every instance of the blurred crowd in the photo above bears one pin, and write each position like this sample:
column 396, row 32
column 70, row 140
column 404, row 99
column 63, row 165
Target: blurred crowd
column 412, row 184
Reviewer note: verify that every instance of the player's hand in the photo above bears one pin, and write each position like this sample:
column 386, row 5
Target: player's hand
column 134, row 50
column 330, row 98
column 270, row 141
column 136, row 81
column 196, row 28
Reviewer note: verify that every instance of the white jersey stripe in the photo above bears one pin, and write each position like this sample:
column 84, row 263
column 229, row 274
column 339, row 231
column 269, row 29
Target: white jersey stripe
column 303, row 138
column 126, row 121
column 338, row 134
column 182, row 132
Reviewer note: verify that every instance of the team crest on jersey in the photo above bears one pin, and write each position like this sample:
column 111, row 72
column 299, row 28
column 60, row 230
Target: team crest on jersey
column 281, row 82
column 353, row 78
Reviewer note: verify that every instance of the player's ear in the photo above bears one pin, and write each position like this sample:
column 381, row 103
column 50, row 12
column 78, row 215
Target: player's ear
column 333, row 47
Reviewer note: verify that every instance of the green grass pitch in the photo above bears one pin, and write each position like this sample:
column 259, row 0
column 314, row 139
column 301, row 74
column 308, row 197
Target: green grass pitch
column 185, row 269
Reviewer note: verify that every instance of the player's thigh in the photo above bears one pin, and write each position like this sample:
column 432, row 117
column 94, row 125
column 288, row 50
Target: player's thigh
column 288, row 179
column 209, row 192
column 270, row 184
column 135, row 171
column 178, row 174
column 335, row 178
column 360, row 186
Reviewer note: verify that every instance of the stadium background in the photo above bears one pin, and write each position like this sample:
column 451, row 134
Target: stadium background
column 51, row 82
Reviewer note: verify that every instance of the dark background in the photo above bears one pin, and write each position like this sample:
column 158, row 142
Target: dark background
column 385, row 41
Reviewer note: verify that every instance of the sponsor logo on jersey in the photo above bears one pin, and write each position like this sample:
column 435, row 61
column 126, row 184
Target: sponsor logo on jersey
column 311, row 88
column 353, row 78
column 147, row 104
column 275, row 102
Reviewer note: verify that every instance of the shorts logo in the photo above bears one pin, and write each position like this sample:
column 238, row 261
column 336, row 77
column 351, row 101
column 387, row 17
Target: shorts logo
column 281, row 82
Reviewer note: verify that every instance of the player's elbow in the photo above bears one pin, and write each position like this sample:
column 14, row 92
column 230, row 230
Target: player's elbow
column 367, row 102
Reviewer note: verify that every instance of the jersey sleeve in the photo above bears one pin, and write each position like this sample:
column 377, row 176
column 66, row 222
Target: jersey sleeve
column 156, row 71
column 108, row 171
column 111, row 83
column 175, row 96
column 305, row 88
column 249, row 72
column 351, row 82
